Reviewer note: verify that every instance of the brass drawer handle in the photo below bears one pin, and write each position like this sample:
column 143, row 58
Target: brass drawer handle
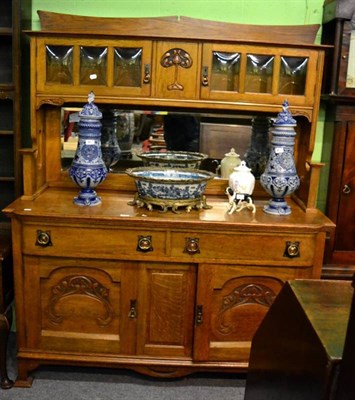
column 192, row 246
column 43, row 238
column 292, row 249
column 144, row 244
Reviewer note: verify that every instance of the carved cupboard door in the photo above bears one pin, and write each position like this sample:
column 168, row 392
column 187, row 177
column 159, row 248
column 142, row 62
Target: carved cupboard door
column 177, row 70
column 230, row 306
column 165, row 312
column 76, row 305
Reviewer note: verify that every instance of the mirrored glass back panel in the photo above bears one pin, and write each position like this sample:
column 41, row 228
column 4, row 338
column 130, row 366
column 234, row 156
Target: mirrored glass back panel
column 128, row 133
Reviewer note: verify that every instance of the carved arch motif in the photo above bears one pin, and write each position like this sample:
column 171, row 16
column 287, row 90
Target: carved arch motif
column 80, row 285
column 246, row 293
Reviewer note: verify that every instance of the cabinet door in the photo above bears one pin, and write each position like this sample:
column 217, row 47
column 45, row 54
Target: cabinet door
column 177, row 70
column 231, row 303
column 75, row 305
column 165, row 312
column 345, row 230
column 110, row 67
column 258, row 74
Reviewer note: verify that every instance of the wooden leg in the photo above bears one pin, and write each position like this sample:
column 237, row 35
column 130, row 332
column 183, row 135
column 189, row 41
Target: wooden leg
column 5, row 324
column 23, row 379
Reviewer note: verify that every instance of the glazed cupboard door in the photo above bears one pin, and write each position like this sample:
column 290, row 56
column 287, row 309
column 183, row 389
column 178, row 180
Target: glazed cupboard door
column 231, row 304
column 166, row 298
column 75, row 306
column 77, row 66
column 258, row 74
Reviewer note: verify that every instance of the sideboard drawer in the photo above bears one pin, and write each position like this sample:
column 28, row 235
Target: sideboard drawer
column 94, row 242
column 254, row 247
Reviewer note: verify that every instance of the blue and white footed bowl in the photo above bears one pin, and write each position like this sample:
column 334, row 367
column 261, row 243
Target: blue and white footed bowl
column 173, row 159
column 170, row 187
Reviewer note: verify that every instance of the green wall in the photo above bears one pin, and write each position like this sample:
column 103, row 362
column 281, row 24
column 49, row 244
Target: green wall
column 272, row 12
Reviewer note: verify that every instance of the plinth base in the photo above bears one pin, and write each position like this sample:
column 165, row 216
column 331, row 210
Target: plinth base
column 277, row 207
column 87, row 197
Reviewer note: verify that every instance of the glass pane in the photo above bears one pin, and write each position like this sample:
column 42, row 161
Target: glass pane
column 93, row 61
column 59, row 64
column 128, row 66
column 293, row 75
column 225, row 71
column 259, row 73
column 350, row 77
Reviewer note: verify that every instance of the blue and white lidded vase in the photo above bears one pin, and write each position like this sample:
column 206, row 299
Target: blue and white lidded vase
column 280, row 177
column 88, row 169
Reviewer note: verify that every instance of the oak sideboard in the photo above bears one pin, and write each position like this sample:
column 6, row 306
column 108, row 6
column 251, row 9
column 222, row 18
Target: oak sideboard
column 162, row 293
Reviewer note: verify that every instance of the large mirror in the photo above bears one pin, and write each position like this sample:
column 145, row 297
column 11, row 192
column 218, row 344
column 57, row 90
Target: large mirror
column 128, row 133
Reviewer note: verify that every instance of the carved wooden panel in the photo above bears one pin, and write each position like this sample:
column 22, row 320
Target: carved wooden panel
column 177, row 70
column 176, row 58
column 76, row 305
column 80, row 287
column 240, row 305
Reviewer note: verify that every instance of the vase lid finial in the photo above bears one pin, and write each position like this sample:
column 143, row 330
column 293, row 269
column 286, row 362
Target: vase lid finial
column 285, row 117
column 90, row 110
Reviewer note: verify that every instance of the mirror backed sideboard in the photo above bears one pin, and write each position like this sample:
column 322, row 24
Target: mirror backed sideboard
column 165, row 294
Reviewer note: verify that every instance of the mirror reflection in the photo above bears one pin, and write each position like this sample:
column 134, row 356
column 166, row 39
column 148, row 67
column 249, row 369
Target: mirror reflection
column 128, row 133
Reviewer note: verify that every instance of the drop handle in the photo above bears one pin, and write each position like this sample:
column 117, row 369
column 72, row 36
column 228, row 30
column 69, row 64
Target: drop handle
column 199, row 315
column 346, row 189
column 204, row 80
column 147, row 74
column 133, row 310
